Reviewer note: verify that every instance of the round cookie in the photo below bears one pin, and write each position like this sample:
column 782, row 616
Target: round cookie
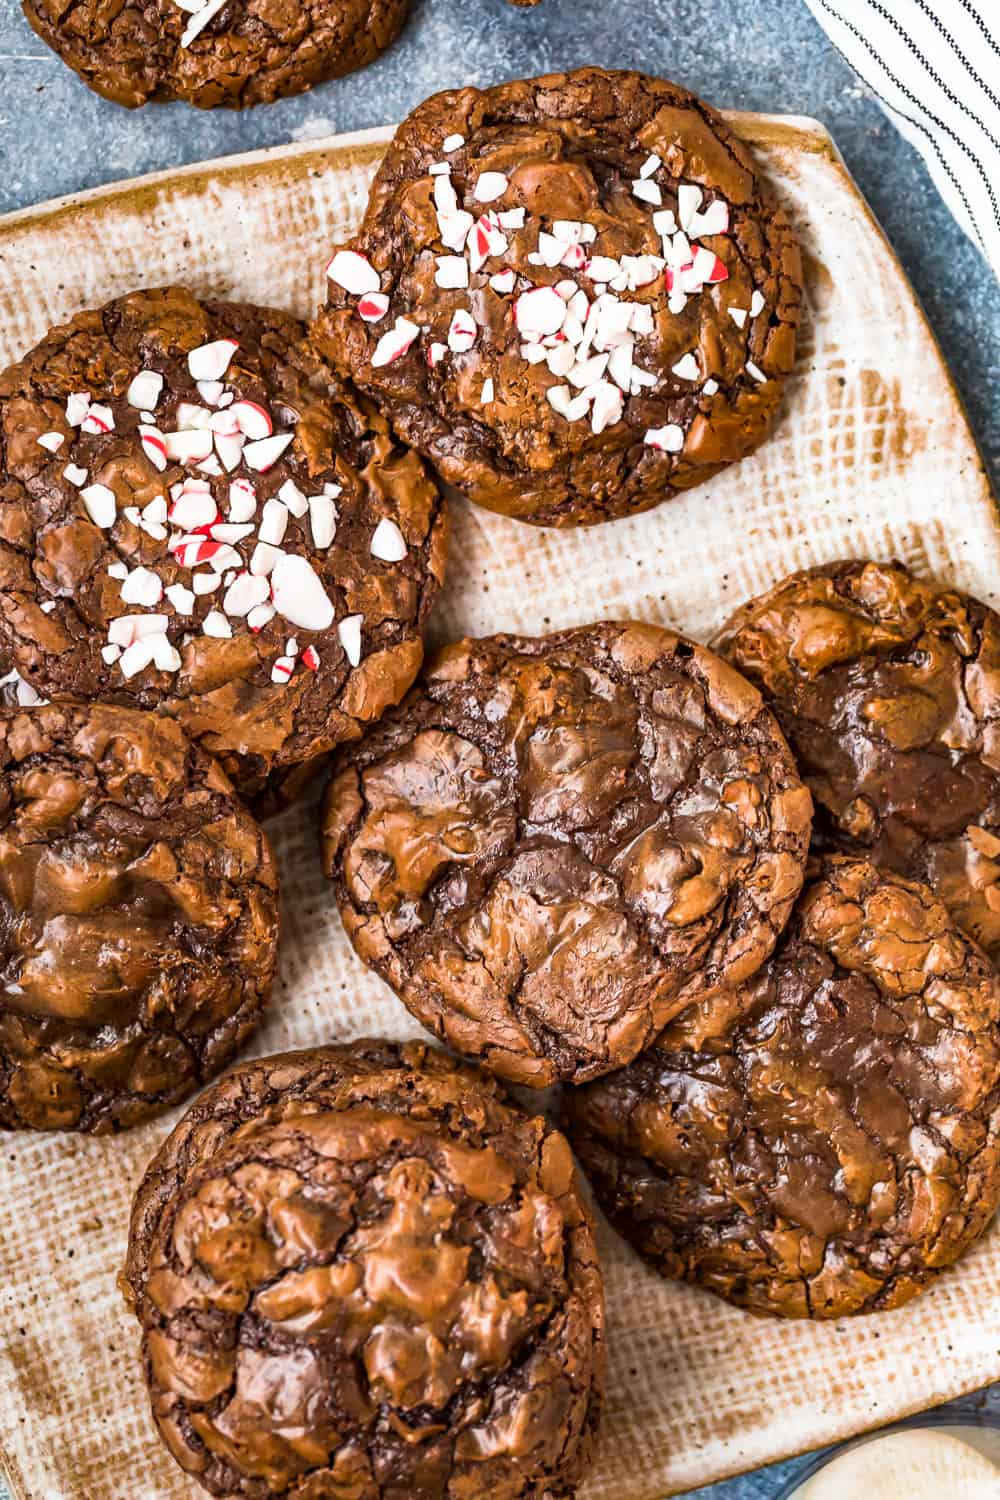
column 573, row 294
column 824, row 1139
column 212, row 54
column 888, row 689
column 198, row 516
column 555, row 844
column 360, row 1271
column 138, row 918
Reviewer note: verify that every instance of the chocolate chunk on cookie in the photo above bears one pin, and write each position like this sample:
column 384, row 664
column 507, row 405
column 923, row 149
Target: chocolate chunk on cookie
column 138, row 918
column 198, row 516
column 360, row 1271
column 573, row 294
column 888, row 688
column 824, row 1139
column 557, row 843
column 213, row 53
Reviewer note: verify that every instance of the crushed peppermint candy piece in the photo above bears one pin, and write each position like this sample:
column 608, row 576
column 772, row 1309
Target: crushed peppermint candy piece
column 142, row 586
column 354, row 272
column 188, row 445
column 486, row 394
column 99, row 419
column 739, row 316
column 714, row 220
column 242, row 500
column 452, row 143
column 394, row 344
column 452, row 271
column 265, row 452
column 135, row 657
column 145, row 390
column 211, row 391
column 245, row 593
column 310, row 658
column 454, row 228
column 436, row 354
column 205, row 583
column 686, row 368
column 757, row 304
column 710, row 387
column 211, row 361
column 463, row 331
column 282, row 669
column 154, row 446
column 504, row 281
column 322, row 521
column 252, row 419
column 193, row 508
column 101, row 506
column 74, row 475
column 118, row 570
column 652, row 164
column 648, row 190
column 203, row 13
column 273, row 522
column 77, row 407
column 670, row 439
column 263, row 559
column 260, row 616
column 293, row 499
column 349, row 631
column 298, row 593
column 688, row 203
column 182, row 599
column 755, row 371
column 373, row 307
column 387, row 542
column 490, row 186
column 539, row 312
column 111, row 653
column 52, row 441
column 215, row 624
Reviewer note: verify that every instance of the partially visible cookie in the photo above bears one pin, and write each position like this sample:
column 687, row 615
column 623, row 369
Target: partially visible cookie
column 360, row 1271
column 824, row 1139
column 888, row 688
column 574, row 294
column 198, row 516
column 213, row 53
column 557, row 843
column 138, row 918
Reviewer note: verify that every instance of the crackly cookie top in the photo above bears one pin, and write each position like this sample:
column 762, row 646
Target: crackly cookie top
column 197, row 515
column 213, row 53
column 888, row 688
column 572, row 293
column 360, row 1270
column 556, row 843
column 138, row 918
column 825, row 1138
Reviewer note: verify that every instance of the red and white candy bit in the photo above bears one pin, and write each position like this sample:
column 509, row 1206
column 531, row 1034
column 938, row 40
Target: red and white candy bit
column 273, row 522
column 193, row 508
column 539, row 312
column 252, row 419
column 373, row 307
column 211, row 361
column 322, row 521
column 242, row 500
column 608, row 405
column 387, row 542
column 490, row 186
column 264, row 454
column 145, row 390
column 229, row 446
column 142, row 586
column 292, row 498
column 74, row 475
column 462, row 332
column 154, row 447
column 647, row 190
column 310, row 658
column 739, row 316
column 99, row 419
column 182, row 599
column 282, row 669
column 77, row 407
column 210, row 391
column 263, row 559
column 118, row 570
column 669, row 439
column 454, row 227
column 452, row 143
column 394, row 344
column 452, row 272
column 686, row 368
column 436, row 353
column 298, row 595
column 504, row 282
column 713, row 220
column 228, row 531
column 710, row 388
column 755, row 372
column 244, row 594
column 353, row 272
column 688, row 203
column 486, row 395
column 261, row 615
column 349, row 631
column 51, row 441
column 757, row 304
column 188, row 446
column 125, row 629
column 101, row 506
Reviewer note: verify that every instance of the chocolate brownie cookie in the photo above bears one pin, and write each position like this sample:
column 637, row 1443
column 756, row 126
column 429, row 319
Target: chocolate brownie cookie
column 824, row 1139
column 213, row 52
column 198, row 516
column 888, row 689
column 138, row 918
column 574, row 294
column 360, row 1271
column 555, row 844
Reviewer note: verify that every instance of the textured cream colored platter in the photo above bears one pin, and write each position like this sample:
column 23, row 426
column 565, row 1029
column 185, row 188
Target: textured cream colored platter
column 872, row 456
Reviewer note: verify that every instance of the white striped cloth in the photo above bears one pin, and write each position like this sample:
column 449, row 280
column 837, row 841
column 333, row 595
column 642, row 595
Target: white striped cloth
column 935, row 67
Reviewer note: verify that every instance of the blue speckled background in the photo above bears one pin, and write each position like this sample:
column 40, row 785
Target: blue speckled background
column 56, row 137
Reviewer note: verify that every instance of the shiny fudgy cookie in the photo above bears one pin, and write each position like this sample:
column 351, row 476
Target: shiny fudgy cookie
column 213, row 53
column 574, row 294
column 557, row 843
column 888, row 689
column 824, row 1139
column 138, row 918
column 198, row 516
column 360, row 1270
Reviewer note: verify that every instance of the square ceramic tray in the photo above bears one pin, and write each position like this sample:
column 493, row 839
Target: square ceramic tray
column 871, row 456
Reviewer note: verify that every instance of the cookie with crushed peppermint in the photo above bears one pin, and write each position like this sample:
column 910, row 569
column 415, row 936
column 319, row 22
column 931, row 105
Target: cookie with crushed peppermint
column 198, row 516
column 214, row 53
column 574, row 294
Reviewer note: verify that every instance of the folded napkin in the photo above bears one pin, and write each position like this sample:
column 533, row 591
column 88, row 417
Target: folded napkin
column 935, row 67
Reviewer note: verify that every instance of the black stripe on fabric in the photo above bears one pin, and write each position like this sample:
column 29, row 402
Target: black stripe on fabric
column 940, row 26
column 910, row 119
column 974, row 13
column 881, row 10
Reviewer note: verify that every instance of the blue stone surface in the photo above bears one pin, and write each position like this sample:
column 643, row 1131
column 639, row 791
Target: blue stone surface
column 56, row 137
